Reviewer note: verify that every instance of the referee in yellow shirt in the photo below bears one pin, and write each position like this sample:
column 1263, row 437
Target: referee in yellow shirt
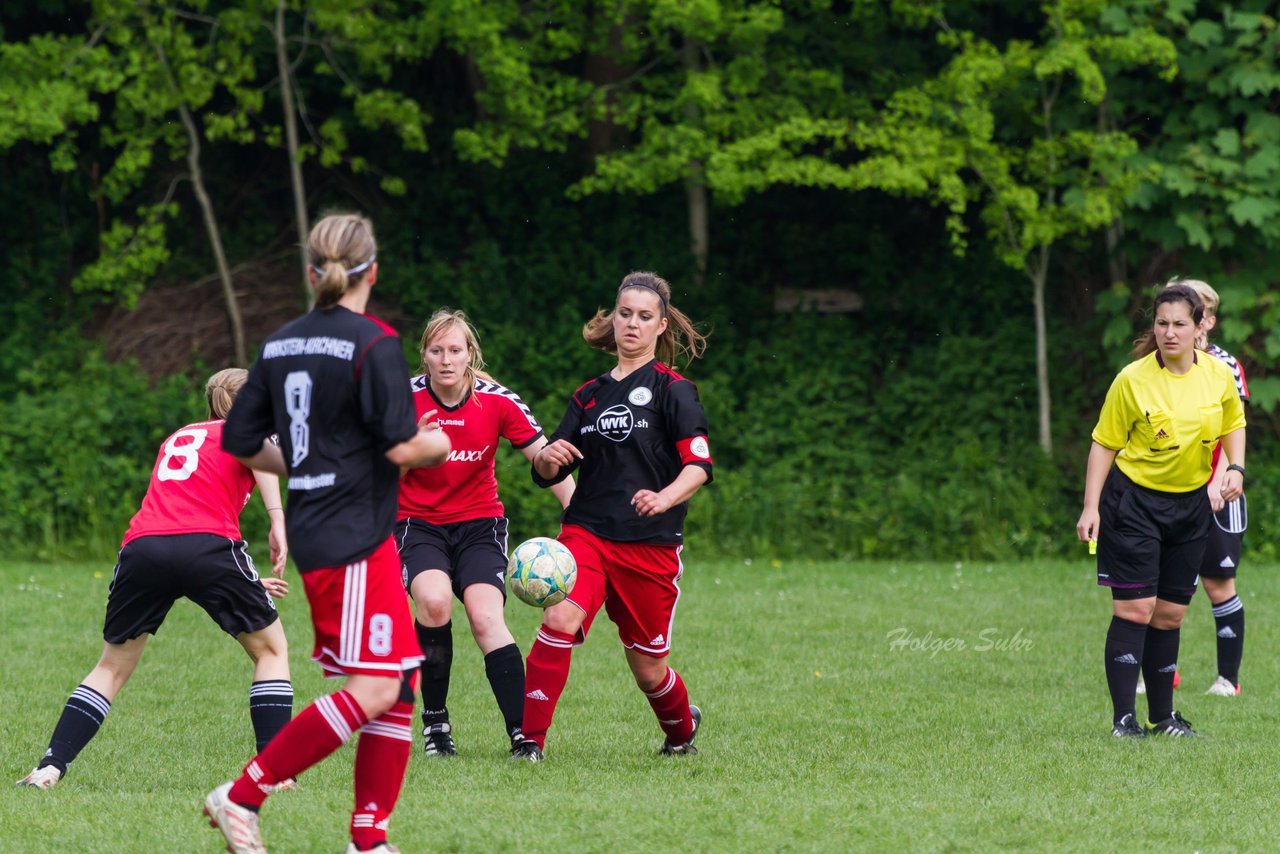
column 1163, row 416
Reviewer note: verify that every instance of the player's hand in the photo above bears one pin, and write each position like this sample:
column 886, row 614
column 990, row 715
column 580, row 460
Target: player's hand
column 1216, row 501
column 1087, row 527
column 279, row 544
column 560, row 453
column 1232, row 486
column 277, row 587
column 650, row 503
column 428, row 420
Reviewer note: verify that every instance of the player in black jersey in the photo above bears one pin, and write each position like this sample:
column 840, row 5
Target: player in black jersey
column 335, row 388
column 637, row 437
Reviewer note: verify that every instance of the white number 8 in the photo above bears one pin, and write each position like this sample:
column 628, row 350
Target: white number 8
column 187, row 453
column 380, row 634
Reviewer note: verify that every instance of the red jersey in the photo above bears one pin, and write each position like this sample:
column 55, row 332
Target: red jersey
column 196, row 487
column 463, row 487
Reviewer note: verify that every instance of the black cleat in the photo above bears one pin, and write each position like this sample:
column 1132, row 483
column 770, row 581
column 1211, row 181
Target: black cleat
column 526, row 750
column 1175, row 725
column 686, row 749
column 438, row 739
column 1127, row 727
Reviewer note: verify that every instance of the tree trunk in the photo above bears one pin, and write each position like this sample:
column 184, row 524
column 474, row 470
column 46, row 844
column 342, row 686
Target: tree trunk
column 1038, row 274
column 695, row 186
column 291, row 140
column 210, row 221
column 605, row 73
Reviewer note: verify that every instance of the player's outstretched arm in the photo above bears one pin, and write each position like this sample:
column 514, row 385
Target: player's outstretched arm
column 563, row 491
column 269, row 488
column 268, row 459
column 430, row 446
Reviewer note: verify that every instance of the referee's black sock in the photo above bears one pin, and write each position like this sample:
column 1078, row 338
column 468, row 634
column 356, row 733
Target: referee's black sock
column 1125, row 641
column 81, row 718
column 437, row 647
column 505, row 669
column 1229, row 619
column 1159, row 662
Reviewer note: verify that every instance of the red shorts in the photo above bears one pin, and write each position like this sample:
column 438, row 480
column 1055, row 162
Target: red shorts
column 638, row 584
column 361, row 616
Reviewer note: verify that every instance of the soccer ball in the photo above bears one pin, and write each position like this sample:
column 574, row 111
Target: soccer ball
column 541, row 572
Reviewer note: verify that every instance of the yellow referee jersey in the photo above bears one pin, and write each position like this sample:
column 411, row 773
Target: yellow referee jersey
column 1165, row 426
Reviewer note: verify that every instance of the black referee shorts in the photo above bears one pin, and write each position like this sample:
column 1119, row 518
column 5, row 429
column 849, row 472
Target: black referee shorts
column 470, row 552
column 1226, row 539
column 214, row 572
column 1150, row 543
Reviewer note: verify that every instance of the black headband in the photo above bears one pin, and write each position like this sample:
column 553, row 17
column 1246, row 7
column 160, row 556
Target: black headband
column 646, row 287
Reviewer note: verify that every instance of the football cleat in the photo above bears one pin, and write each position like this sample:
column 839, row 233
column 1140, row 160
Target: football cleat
column 1223, row 687
column 438, row 739
column 41, row 778
column 1142, row 684
column 1175, row 725
column 686, row 749
column 380, row 848
column 239, row 825
column 526, row 750
column 1127, row 727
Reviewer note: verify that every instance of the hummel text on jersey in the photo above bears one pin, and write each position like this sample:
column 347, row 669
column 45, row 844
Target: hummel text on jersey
column 319, row 345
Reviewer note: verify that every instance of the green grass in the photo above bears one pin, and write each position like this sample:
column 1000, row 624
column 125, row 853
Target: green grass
column 818, row 735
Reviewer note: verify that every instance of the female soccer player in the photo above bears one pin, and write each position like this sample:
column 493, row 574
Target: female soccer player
column 1226, row 534
column 638, row 437
column 1150, row 514
column 452, row 534
column 334, row 386
column 185, row 541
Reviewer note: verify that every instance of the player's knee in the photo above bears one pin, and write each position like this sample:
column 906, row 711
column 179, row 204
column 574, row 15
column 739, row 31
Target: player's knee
column 565, row 617
column 433, row 610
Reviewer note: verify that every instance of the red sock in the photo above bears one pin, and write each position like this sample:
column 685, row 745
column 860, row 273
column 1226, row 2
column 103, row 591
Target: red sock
column 545, row 672
column 382, row 755
column 317, row 731
column 670, row 702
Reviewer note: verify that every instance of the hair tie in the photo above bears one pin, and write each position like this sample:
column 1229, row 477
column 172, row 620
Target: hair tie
column 646, row 287
column 360, row 268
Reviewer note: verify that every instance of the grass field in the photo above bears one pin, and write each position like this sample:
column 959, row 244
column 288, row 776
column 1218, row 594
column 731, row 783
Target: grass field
column 840, row 715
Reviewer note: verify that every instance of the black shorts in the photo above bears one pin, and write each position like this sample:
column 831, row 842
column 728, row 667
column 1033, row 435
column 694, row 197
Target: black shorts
column 1150, row 543
column 1222, row 554
column 470, row 552
column 214, row 572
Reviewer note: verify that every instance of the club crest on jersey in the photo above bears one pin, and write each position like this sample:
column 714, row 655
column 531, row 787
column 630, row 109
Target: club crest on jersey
column 640, row 396
column 615, row 423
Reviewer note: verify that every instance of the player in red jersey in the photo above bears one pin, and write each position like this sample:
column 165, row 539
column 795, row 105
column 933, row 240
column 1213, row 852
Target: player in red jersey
column 637, row 436
column 334, row 386
column 185, row 542
column 452, row 534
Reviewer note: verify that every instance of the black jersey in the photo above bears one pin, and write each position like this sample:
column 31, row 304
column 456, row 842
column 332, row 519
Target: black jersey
column 635, row 433
column 334, row 385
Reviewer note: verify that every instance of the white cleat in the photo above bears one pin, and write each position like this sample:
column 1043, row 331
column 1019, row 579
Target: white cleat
column 238, row 824
column 1222, row 687
column 41, row 778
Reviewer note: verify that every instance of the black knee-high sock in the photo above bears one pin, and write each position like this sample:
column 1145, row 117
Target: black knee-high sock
column 1159, row 661
column 505, row 669
column 81, row 718
column 1125, row 640
column 437, row 646
column 270, row 708
column 1229, row 617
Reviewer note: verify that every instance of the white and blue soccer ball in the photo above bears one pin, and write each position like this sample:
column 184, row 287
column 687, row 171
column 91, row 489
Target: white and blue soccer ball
column 541, row 572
